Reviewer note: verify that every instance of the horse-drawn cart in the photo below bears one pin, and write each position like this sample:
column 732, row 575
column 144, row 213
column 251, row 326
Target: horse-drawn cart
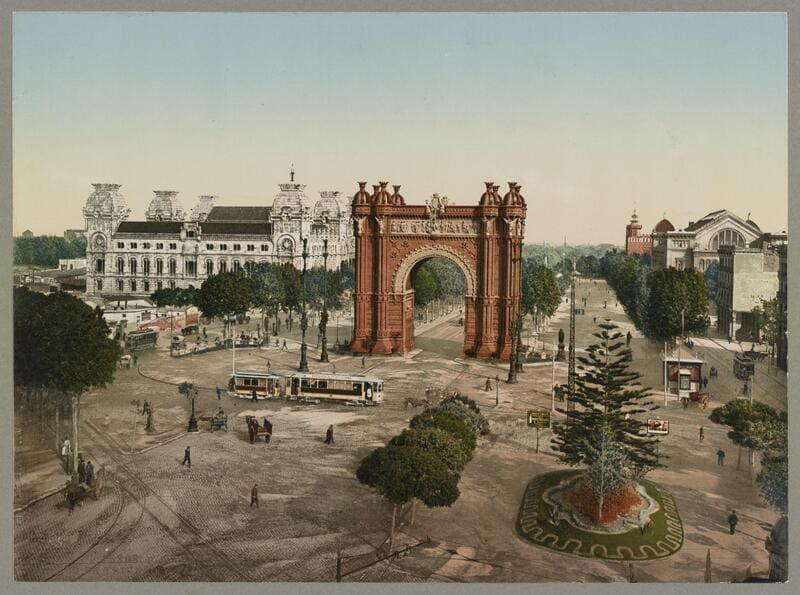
column 701, row 398
column 218, row 421
column 76, row 493
column 257, row 431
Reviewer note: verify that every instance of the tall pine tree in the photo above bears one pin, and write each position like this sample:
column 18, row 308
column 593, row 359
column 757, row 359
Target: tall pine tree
column 607, row 394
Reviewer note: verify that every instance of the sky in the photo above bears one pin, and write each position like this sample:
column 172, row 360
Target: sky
column 593, row 114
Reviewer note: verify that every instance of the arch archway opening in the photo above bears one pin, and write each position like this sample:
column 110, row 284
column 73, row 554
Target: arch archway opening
column 437, row 287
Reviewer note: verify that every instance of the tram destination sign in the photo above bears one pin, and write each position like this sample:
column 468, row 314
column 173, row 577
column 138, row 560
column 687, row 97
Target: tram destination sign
column 539, row 418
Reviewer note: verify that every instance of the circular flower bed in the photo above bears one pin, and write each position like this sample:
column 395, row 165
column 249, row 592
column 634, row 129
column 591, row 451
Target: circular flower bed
column 642, row 523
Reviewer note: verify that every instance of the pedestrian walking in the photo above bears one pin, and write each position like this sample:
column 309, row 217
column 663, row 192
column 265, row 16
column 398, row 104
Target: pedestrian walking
column 705, row 381
column 284, row 345
column 329, row 435
column 363, row 361
column 268, row 428
column 628, row 338
column 702, row 434
column 219, row 394
column 488, row 385
column 89, row 473
column 251, row 431
column 187, row 457
column 745, row 389
column 135, row 360
column 145, row 408
column 255, row 398
column 720, row 457
column 205, row 334
column 66, row 451
column 254, row 495
column 594, row 319
column 269, row 365
column 733, row 520
column 685, row 402
column 81, row 469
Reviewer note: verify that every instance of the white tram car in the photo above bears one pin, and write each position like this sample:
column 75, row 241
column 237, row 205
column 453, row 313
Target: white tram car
column 308, row 386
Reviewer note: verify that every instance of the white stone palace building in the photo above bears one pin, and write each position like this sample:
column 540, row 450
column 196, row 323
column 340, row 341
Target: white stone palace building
column 171, row 248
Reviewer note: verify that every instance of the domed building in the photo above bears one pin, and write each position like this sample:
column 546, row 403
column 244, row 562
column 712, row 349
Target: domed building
column 173, row 248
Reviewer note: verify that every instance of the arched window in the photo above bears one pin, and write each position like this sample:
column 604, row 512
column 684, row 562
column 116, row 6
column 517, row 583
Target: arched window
column 209, row 267
column 99, row 285
column 146, row 266
column 146, row 286
column 223, row 266
column 120, row 285
column 100, row 265
column 237, row 266
column 133, row 284
column 173, row 267
column 133, row 266
column 120, row 265
column 159, row 267
column 727, row 237
column 172, row 284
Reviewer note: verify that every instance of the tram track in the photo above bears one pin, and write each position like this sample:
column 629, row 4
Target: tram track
column 195, row 545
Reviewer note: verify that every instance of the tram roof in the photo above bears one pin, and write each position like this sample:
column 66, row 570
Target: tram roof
column 327, row 376
column 256, row 374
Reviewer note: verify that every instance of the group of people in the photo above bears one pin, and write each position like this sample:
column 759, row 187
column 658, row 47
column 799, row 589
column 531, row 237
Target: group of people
column 253, row 428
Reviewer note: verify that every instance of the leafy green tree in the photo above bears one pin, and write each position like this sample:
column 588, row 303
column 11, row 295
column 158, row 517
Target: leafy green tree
column 607, row 394
column 540, row 293
column 475, row 421
column 292, row 289
column 225, row 295
column 265, row 279
column 45, row 251
column 348, row 276
column 449, row 277
column 442, row 444
column 403, row 473
column 606, row 474
column 773, row 481
column 671, row 293
column 61, row 348
column 449, row 423
column 426, row 286
column 767, row 311
column 751, row 425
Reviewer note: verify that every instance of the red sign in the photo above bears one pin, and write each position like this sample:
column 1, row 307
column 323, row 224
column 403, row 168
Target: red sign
column 657, row 426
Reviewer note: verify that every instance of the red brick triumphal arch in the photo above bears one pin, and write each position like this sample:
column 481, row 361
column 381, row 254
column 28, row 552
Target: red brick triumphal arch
column 392, row 238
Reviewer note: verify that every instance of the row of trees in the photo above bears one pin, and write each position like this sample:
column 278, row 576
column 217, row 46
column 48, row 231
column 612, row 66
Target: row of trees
column 425, row 461
column 600, row 432
column 661, row 302
column 273, row 288
column 541, row 295
column 61, row 349
column 435, row 279
column 45, row 251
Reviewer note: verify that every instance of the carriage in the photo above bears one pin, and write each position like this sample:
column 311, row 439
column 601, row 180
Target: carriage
column 218, row 421
column 258, row 430
column 76, row 493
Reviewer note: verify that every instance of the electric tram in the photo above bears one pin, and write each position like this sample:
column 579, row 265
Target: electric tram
column 307, row 387
column 141, row 339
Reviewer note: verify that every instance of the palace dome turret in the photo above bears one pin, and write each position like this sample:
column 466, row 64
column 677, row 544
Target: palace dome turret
column 164, row 207
column 106, row 200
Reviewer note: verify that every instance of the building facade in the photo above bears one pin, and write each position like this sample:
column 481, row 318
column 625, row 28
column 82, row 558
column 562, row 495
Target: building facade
column 783, row 295
column 696, row 246
column 174, row 248
column 637, row 243
column 746, row 276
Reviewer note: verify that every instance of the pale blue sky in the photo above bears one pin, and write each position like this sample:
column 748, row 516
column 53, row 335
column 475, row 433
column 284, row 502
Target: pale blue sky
column 591, row 113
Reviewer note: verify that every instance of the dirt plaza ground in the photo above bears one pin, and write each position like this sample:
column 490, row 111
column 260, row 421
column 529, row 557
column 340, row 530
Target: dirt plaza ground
column 159, row 520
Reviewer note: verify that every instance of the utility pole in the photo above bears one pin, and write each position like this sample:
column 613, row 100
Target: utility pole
column 323, row 319
column 497, row 390
column 571, row 358
column 303, row 367
column 512, row 364
column 338, row 566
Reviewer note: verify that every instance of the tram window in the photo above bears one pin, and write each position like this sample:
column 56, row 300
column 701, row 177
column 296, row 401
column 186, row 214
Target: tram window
column 322, row 384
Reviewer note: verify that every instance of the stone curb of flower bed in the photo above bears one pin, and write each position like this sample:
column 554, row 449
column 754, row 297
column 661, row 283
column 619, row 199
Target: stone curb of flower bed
column 663, row 540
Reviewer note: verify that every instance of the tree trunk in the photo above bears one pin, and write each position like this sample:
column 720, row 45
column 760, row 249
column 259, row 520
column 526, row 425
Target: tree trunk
column 739, row 458
column 391, row 533
column 76, row 404
column 600, row 509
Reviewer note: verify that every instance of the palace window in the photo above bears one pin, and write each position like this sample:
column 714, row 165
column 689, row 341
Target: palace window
column 159, row 285
column 172, row 284
column 237, row 247
column 133, row 266
column 209, row 267
column 250, row 247
column 190, row 234
column 146, row 245
column 100, row 265
column 120, row 285
column 209, row 246
column 120, row 265
column 159, row 245
column 146, row 286
column 727, row 237
column 133, row 284
column 146, row 266
column 120, row 244
column 223, row 247
column 191, row 267
column 237, row 266
column 134, row 245
column 223, row 266
column 173, row 267
column 173, row 246
column 265, row 247
column 159, row 267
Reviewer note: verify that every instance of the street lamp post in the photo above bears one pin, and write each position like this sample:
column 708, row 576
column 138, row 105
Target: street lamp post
column 518, row 362
column 192, row 418
column 323, row 319
column 512, row 359
column 303, row 367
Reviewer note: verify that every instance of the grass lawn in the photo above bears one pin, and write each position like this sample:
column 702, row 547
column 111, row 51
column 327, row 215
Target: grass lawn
column 663, row 538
